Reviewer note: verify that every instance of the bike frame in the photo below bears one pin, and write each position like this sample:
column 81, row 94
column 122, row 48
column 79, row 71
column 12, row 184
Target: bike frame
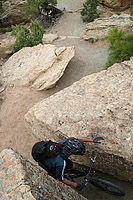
column 91, row 172
column 91, row 177
column 87, row 175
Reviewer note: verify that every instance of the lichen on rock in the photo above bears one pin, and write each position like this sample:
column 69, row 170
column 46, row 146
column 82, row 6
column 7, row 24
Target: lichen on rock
column 22, row 179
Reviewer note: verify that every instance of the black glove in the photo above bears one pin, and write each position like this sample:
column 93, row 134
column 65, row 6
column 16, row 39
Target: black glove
column 98, row 138
column 80, row 187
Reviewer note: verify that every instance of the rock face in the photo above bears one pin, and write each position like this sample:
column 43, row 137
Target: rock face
column 22, row 179
column 6, row 44
column 97, row 105
column 39, row 67
column 100, row 27
column 116, row 4
column 11, row 13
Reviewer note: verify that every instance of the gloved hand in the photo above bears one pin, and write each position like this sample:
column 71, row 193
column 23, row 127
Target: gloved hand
column 80, row 187
column 95, row 140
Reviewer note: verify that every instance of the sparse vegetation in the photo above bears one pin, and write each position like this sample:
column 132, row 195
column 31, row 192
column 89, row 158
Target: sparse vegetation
column 121, row 46
column 89, row 12
column 0, row 5
column 34, row 6
column 91, row 40
column 1, row 83
column 131, row 11
column 59, row 58
column 4, row 30
column 26, row 37
column 118, row 13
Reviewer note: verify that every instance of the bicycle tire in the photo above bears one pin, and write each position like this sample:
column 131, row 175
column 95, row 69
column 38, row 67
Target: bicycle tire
column 107, row 186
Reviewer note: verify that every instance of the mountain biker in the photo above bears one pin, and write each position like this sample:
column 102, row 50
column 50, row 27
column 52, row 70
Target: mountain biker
column 55, row 166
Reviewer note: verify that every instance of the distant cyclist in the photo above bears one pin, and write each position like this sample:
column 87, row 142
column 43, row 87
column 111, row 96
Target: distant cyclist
column 56, row 166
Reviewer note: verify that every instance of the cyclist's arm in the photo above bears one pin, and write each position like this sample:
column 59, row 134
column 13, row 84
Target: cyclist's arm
column 82, row 139
column 70, row 183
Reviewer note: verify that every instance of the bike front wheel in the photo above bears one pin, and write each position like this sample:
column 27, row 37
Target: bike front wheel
column 107, row 186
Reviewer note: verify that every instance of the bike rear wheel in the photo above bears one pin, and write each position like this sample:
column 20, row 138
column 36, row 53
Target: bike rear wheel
column 107, row 186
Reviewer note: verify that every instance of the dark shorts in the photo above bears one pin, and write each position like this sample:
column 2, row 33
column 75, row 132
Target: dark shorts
column 52, row 172
column 69, row 164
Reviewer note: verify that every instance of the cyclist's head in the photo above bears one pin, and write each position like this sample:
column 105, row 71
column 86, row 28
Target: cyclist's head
column 75, row 146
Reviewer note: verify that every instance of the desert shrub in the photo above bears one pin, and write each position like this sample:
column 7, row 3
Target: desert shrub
column 89, row 11
column 26, row 37
column 120, row 46
column 33, row 6
column 4, row 30
column 131, row 10
column 0, row 5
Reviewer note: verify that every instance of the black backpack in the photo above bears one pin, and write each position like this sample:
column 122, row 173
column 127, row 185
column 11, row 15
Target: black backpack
column 45, row 149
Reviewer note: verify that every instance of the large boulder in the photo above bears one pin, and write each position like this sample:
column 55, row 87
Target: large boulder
column 116, row 4
column 38, row 67
column 6, row 44
column 100, row 27
column 22, row 179
column 12, row 13
column 97, row 105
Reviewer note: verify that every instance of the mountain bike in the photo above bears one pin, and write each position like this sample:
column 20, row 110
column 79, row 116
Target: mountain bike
column 90, row 176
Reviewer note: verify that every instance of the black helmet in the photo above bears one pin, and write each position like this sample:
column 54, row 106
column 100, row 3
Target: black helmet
column 75, row 146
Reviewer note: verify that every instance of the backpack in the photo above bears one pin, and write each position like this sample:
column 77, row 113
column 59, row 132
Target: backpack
column 45, row 149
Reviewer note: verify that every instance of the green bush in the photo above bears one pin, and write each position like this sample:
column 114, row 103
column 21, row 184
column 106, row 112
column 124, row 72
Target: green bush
column 4, row 30
column 121, row 46
column 89, row 12
column 0, row 5
column 26, row 37
column 33, row 6
column 131, row 10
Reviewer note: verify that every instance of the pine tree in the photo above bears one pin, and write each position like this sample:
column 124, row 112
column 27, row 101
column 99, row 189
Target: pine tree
column 26, row 37
column 89, row 12
column 120, row 46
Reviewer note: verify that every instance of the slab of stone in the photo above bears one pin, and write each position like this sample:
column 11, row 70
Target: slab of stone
column 98, row 105
column 49, row 38
column 100, row 27
column 38, row 67
column 6, row 44
column 22, row 179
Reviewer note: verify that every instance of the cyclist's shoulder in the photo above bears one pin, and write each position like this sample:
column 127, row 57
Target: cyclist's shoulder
column 62, row 141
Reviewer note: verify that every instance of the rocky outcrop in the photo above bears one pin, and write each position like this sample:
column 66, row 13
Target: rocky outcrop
column 38, row 67
column 98, row 105
column 6, row 44
column 22, row 179
column 116, row 4
column 12, row 13
column 100, row 27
